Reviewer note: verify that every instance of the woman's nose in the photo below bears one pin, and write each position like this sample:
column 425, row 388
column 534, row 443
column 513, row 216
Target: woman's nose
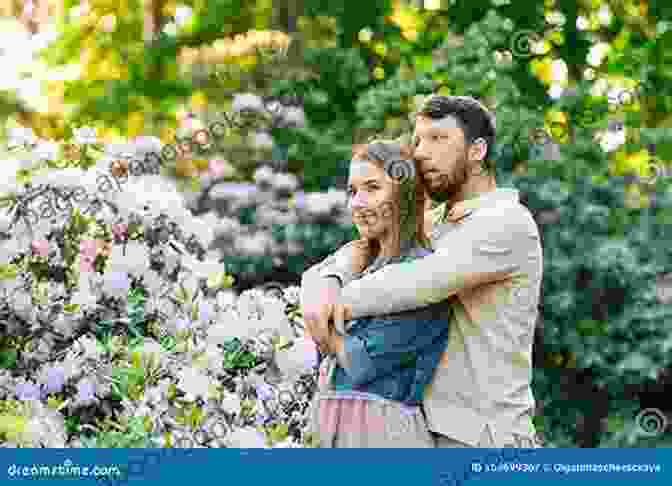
column 359, row 201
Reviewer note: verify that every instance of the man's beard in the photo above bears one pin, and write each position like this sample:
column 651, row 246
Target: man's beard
column 446, row 188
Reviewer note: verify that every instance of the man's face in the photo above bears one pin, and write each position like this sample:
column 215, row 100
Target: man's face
column 441, row 150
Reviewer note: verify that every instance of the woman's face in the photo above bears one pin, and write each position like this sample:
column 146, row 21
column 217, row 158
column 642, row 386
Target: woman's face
column 372, row 196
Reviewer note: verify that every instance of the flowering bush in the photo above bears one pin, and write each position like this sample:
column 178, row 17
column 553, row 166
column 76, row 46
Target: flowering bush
column 119, row 328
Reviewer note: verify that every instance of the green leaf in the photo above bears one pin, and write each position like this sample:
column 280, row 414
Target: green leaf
column 8, row 358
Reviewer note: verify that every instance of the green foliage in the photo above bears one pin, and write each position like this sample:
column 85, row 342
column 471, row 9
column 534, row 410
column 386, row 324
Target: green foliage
column 133, row 435
column 236, row 356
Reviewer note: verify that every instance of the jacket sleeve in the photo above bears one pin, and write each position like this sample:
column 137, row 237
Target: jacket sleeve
column 377, row 346
column 490, row 248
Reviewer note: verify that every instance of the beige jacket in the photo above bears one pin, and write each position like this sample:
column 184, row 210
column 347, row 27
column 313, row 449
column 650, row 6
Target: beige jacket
column 488, row 253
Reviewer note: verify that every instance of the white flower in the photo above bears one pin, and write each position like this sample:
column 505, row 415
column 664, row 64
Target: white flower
column 246, row 438
column 46, row 150
column 286, row 182
column 204, row 231
column 64, row 325
column 231, row 403
column 612, row 139
column 88, row 346
column 274, row 316
column 182, row 15
column 21, row 302
column 294, row 116
column 67, row 178
column 317, row 203
column 232, row 326
column 8, row 170
column 153, row 282
column 155, row 191
column 171, row 259
column 151, row 350
column 147, row 144
column 247, row 101
column 262, row 140
column 225, row 299
column 85, row 135
column 119, row 150
column 135, row 261
column 253, row 245
column 226, row 227
column 263, row 175
column 116, row 284
column 46, row 427
column 202, row 269
column 21, row 136
column 5, row 221
column 194, row 382
column 300, row 358
column 84, row 297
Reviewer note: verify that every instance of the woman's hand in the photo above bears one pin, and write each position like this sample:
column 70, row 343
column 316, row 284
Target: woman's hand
column 361, row 254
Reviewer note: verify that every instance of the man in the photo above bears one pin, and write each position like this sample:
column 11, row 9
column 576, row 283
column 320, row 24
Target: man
column 487, row 253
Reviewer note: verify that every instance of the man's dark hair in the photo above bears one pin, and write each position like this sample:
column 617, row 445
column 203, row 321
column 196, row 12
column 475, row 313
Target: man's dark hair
column 474, row 119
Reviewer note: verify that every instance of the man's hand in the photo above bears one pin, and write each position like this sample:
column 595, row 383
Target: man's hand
column 317, row 314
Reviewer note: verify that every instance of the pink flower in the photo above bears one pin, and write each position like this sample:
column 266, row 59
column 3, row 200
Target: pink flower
column 216, row 167
column 120, row 231
column 87, row 255
column 88, row 248
column 85, row 266
column 40, row 247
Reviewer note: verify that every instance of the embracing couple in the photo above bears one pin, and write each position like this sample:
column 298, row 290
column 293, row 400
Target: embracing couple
column 427, row 321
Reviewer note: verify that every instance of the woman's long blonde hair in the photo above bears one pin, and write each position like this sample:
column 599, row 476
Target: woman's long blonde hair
column 394, row 151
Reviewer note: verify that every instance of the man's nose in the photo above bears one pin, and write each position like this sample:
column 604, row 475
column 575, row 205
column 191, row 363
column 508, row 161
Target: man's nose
column 420, row 153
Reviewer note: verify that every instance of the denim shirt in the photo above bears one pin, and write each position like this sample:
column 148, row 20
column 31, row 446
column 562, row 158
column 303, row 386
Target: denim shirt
column 395, row 356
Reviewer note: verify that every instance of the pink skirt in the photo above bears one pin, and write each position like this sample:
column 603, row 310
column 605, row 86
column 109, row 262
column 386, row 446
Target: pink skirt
column 351, row 419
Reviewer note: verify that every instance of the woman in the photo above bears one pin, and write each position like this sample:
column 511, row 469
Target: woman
column 373, row 379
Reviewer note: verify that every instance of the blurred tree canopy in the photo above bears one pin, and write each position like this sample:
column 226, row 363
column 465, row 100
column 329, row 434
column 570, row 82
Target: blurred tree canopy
column 565, row 78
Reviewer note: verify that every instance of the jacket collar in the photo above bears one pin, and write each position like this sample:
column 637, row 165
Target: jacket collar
column 462, row 209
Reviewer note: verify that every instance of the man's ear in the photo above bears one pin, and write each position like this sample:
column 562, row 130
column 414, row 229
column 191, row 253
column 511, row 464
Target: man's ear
column 477, row 150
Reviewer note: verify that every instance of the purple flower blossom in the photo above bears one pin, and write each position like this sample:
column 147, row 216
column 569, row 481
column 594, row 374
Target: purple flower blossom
column 264, row 391
column 183, row 324
column 55, row 380
column 86, row 391
column 205, row 311
column 262, row 419
column 119, row 281
column 27, row 391
column 309, row 350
